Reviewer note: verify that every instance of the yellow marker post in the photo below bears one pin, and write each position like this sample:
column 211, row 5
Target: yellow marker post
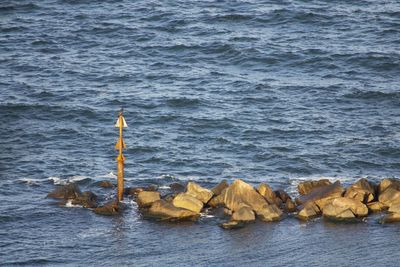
column 121, row 123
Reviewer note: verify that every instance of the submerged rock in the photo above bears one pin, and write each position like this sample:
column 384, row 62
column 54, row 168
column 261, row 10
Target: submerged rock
column 162, row 210
column 308, row 186
column 86, row 199
column 362, row 190
column 109, row 209
column 202, row 194
column 105, row 184
column 345, row 208
column 146, row 198
column 186, row 201
column 233, row 225
column 69, row 191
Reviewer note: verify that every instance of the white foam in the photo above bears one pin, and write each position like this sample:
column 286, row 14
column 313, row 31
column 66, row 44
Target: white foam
column 70, row 205
column 164, row 187
column 57, row 180
column 30, row 181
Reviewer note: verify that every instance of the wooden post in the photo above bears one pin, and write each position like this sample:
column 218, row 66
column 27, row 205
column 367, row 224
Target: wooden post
column 120, row 159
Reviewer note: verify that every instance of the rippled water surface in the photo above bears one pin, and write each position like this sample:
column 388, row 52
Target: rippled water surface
column 273, row 91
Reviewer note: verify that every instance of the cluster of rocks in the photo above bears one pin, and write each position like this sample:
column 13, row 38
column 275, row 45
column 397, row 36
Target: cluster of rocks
column 244, row 203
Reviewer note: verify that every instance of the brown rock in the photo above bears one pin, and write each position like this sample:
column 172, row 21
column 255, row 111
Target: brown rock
column 376, row 206
column 134, row 191
column 69, row 191
column 362, row 190
column 110, row 208
column 270, row 213
column 267, row 192
column 233, row 225
column 202, row 194
column 309, row 211
column 186, row 201
column 162, row 210
column 389, row 182
column 290, row 206
column 308, row 186
column 177, row 187
column 146, row 198
column 217, row 190
column 282, row 195
column 389, row 196
column 395, row 208
column 245, row 213
column 105, row 184
column 390, row 218
column 322, row 194
column 337, row 208
column 216, row 201
column 86, row 199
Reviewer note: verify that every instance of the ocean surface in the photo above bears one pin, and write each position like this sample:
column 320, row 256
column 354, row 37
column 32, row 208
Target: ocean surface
column 266, row 91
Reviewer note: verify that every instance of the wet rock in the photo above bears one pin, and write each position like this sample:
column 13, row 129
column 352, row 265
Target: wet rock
column 290, row 206
column 362, row 190
column 217, row 190
column 162, row 210
column 389, row 196
column 134, row 191
column 321, row 195
column 376, row 206
column 282, row 195
column 309, row 211
column 146, row 198
column 177, row 187
column 109, row 209
column 202, row 194
column 233, row 225
column 339, row 208
column 269, row 213
column 169, row 197
column 69, row 191
column 390, row 218
column 105, row 184
column 86, row 199
column 244, row 213
column 269, row 195
column 186, row 201
column 308, row 186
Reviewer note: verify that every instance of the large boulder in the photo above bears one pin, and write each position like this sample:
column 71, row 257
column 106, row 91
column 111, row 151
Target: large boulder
column 362, row 190
column 345, row 208
column 376, row 206
column 86, row 199
column 388, row 182
column 162, row 210
column 306, row 187
column 109, row 209
column 217, row 190
column 309, row 211
column 186, row 201
column 202, row 194
column 282, row 195
column 244, row 213
column 290, row 206
column 321, row 195
column 146, row 198
column 389, row 196
column 269, row 195
column 269, row 213
column 68, row 191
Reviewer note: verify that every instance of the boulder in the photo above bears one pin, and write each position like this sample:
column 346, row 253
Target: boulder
column 308, row 186
column 362, row 190
column 376, row 206
column 146, row 198
column 134, row 191
column 339, row 207
column 86, row 199
column 105, row 184
column 282, row 195
column 309, row 211
column 162, row 210
column 389, row 182
column 68, row 191
column 109, row 209
column 389, row 196
column 217, row 190
column 269, row 213
column 177, row 187
column 233, row 225
column 322, row 194
column 395, row 208
column 390, row 218
column 186, row 201
column 245, row 213
column 269, row 195
column 202, row 194
column 290, row 206
column 217, row 201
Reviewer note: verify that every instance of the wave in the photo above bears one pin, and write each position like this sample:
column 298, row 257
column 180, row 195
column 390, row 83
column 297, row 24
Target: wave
column 183, row 102
column 372, row 95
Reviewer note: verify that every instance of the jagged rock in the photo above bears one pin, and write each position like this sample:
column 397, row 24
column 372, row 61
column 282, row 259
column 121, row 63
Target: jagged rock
column 177, row 187
column 362, row 190
column 395, row 208
column 269, row 195
column 146, row 198
column 86, row 199
column 389, row 196
column 376, row 206
column 217, row 201
column 290, row 206
column 134, row 191
column 69, row 191
column 390, row 218
column 202, row 194
column 322, row 194
column 244, row 213
column 110, row 208
column 233, row 225
column 162, row 210
column 389, row 182
column 105, row 184
column 169, row 197
column 217, row 190
column 269, row 213
column 282, row 195
column 308, row 186
column 309, row 211
column 186, row 201
column 337, row 208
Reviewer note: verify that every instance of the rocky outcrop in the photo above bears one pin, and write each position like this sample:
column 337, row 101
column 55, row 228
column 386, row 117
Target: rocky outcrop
column 202, row 194
column 345, row 208
column 162, row 210
column 306, row 187
column 321, row 195
column 146, row 198
column 309, row 211
column 186, row 201
column 86, row 200
column 69, row 191
column 362, row 190
column 217, row 190
column 109, row 209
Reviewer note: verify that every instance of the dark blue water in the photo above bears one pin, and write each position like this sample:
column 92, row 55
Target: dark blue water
column 273, row 91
